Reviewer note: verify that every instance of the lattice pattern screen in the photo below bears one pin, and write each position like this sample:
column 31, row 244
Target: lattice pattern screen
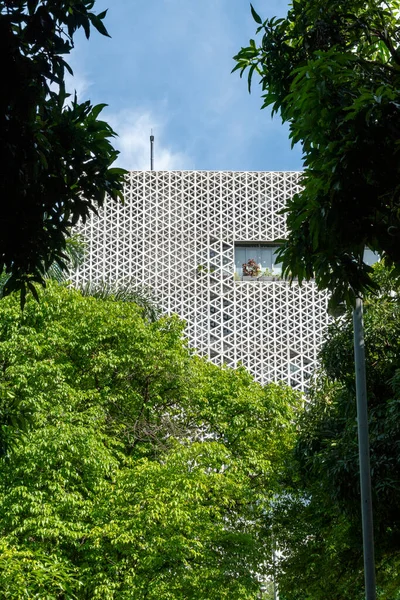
column 176, row 234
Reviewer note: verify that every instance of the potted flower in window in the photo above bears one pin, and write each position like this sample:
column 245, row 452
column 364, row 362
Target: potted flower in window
column 251, row 268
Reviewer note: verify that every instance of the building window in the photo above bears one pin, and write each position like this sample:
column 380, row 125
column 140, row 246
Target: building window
column 264, row 254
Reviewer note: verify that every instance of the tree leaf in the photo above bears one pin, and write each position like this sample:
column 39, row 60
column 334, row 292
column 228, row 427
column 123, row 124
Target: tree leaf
column 256, row 17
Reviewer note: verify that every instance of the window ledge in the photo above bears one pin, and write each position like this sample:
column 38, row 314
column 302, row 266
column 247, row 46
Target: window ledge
column 260, row 278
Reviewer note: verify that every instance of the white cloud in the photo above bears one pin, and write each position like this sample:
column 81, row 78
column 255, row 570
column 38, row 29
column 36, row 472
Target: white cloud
column 133, row 127
column 133, row 142
column 78, row 83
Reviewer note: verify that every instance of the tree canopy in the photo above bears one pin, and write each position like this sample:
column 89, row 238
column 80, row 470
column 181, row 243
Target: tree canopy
column 318, row 523
column 56, row 154
column 332, row 71
column 130, row 468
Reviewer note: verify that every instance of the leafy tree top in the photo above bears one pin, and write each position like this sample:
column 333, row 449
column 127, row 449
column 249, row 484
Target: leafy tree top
column 130, row 468
column 332, row 71
column 56, row 157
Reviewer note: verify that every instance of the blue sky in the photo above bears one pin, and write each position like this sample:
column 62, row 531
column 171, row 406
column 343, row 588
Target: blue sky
column 167, row 67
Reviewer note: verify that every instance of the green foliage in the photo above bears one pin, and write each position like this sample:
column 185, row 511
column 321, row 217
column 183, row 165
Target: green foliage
column 127, row 291
column 318, row 524
column 25, row 575
column 56, row 160
column 144, row 471
column 332, row 71
column 74, row 252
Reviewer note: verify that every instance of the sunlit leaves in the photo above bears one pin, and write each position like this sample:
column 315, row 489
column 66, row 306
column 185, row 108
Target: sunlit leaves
column 143, row 471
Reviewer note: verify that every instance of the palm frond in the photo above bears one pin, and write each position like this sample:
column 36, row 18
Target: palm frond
column 125, row 291
column 75, row 253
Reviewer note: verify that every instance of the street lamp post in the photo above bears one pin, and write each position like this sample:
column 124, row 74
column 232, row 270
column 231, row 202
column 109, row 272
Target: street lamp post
column 363, row 449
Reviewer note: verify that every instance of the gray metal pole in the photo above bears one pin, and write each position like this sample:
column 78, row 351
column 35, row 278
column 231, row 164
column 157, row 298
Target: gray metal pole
column 152, row 152
column 276, row 594
column 363, row 448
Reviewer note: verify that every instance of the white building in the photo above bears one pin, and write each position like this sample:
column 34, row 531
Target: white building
column 186, row 234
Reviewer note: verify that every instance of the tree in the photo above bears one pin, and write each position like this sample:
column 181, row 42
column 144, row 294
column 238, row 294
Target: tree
column 126, row 291
column 142, row 471
column 332, row 71
column 318, row 522
column 55, row 166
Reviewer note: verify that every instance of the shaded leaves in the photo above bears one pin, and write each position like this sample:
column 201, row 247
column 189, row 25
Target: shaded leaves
column 56, row 155
column 332, row 72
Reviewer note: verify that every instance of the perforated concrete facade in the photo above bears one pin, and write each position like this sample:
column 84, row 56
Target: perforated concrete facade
column 176, row 233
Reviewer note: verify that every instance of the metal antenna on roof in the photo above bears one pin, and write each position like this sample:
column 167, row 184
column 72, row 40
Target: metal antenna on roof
column 151, row 151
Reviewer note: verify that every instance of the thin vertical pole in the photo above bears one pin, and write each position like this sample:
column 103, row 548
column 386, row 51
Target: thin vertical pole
column 152, row 152
column 276, row 594
column 363, row 448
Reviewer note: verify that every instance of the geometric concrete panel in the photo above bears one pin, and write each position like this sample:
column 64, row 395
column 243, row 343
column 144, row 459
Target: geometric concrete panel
column 176, row 233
